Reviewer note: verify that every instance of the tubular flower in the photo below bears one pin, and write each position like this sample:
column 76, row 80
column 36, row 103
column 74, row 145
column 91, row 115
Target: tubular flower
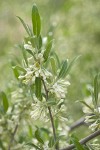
column 59, row 88
column 92, row 114
column 34, row 71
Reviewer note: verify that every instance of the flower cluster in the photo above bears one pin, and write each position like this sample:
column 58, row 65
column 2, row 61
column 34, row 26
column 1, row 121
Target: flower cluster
column 92, row 114
column 59, row 88
column 95, row 144
column 35, row 69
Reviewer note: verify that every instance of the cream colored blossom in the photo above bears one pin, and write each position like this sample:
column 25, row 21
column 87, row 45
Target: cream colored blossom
column 59, row 88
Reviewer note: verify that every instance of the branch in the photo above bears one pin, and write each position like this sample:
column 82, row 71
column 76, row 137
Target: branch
column 51, row 117
column 12, row 138
column 84, row 140
column 15, row 130
column 78, row 123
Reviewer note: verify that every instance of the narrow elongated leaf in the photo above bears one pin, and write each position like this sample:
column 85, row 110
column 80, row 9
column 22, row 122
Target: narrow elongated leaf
column 29, row 29
column 47, row 51
column 5, row 101
column 51, row 102
column 57, row 59
column 38, row 87
column 75, row 141
column 30, row 52
column 36, row 22
column 33, row 145
column 38, row 137
column 15, row 71
column 39, row 42
column 1, row 145
column 30, row 131
column 63, row 70
column 25, row 26
column 24, row 53
column 71, row 64
column 87, row 105
column 53, row 64
column 51, row 142
column 96, row 89
column 20, row 68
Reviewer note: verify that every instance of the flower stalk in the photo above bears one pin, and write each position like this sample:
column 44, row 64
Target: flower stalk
column 51, row 117
column 12, row 138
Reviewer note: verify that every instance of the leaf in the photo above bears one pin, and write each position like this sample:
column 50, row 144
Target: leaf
column 30, row 131
column 47, row 51
column 24, row 54
column 71, row 64
column 96, row 89
column 51, row 142
column 53, row 64
column 63, row 70
column 1, row 145
column 31, row 34
column 30, row 52
column 86, row 105
column 5, row 101
column 39, row 42
column 33, row 145
column 51, row 102
column 25, row 26
column 15, row 71
column 36, row 22
column 38, row 87
column 20, row 68
column 57, row 59
column 38, row 137
column 75, row 141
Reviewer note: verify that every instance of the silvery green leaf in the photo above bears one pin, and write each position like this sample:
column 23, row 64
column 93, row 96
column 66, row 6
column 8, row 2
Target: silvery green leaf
column 75, row 141
column 63, row 70
column 87, row 105
column 33, row 145
column 5, row 101
column 47, row 51
column 20, row 68
column 25, row 26
column 39, row 42
column 30, row 52
column 38, row 87
column 53, row 64
column 36, row 22
column 51, row 102
column 57, row 59
column 70, row 65
column 24, row 54
column 51, row 142
column 96, row 89
column 15, row 71
column 38, row 136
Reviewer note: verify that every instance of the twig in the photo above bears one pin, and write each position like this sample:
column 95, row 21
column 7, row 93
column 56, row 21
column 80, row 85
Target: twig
column 12, row 138
column 78, row 123
column 51, row 117
column 84, row 140
column 15, row 130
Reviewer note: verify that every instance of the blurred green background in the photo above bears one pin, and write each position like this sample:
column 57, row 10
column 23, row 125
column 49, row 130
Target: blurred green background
column 76, row 32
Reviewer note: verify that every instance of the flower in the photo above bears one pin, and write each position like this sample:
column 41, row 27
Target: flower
column 59, row 88
column 39, row 109
column 28, row 46
column 95, row 144
column 92, row 115
column 34, row 71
